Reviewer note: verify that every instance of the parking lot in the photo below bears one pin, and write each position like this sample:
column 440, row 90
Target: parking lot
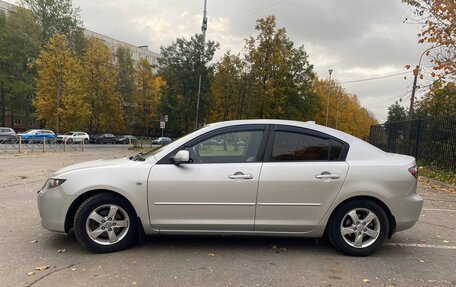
column 422, row 256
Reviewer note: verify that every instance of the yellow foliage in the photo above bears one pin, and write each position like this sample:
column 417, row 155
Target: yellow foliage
column 345, row 111
column 148, row 96
column 59, row 100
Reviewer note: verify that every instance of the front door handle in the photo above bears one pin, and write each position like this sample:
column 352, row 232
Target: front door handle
column 326, row 175
column 240, row 175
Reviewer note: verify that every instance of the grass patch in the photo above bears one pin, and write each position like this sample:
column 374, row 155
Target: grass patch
column 437, row 173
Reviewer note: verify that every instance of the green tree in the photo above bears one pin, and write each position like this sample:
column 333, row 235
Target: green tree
column 396, row 113
column 283, row 74
column 125, row 84
column 181, row 63
column 99, row 83
column 19, row 47
column 56, row 17
column 440, row 100
column 60, row 101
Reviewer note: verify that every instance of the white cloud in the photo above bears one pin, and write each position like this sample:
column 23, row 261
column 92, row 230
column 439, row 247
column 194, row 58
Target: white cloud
column 358, row 39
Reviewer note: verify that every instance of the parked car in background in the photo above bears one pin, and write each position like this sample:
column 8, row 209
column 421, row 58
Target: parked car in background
column 37, row 135
column 104, row 138
column 74, row 137
column 7, row 135
column 126, row 139
column 162, row 141
column 289, row 179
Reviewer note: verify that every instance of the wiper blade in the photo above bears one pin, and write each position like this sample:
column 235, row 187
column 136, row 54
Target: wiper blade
column 137, row 157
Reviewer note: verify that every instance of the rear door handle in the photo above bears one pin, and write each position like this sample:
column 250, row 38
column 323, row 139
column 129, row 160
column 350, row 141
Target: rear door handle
column 240, row 175
column 327, row 175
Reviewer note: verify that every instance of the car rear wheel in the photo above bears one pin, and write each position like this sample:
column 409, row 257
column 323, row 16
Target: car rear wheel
column 105, row 223
column 86, row 141
column 358, row 227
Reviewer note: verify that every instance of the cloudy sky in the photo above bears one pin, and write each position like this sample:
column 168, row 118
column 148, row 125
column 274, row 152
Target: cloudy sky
column 358, row 39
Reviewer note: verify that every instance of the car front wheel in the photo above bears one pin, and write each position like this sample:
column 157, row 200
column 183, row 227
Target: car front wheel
column 358, row 227
column 105, row 223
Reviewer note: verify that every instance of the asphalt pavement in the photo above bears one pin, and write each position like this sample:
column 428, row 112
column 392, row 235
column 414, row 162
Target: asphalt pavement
column 32, row 256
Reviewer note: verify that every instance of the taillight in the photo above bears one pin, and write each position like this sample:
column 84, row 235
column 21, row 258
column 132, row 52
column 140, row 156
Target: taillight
column 414, row 171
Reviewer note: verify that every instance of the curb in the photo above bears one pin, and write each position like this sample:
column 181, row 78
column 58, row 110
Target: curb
column 437, row 182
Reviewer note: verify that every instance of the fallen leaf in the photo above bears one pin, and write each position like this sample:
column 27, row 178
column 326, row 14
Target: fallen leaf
column 73, row 269
column 41, row 268
column 446, row 241
column 30, row 273
column 34, row 241
column 211, row 254
column 422, row 261
column 61, row 251
column 366, row 281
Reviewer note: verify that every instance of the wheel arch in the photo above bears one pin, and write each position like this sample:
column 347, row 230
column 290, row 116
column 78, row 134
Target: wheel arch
column 391, row 219
column 69, row 218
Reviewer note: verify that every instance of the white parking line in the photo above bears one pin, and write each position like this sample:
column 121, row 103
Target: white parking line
column 438, row 209
column 420, row 245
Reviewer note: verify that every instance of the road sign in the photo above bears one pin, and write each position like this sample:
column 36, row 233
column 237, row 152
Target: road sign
column 162, row 124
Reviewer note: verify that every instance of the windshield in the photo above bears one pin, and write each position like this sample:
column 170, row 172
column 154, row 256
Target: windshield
column 69, row 133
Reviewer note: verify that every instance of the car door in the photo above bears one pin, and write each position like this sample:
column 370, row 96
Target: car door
column 216, row 190
column 302, row 174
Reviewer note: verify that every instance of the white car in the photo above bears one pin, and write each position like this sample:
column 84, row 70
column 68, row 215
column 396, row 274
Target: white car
column 74, row 137
column 287, row 179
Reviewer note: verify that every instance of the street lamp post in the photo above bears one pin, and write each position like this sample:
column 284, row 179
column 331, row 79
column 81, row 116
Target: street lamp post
column 416, row 71
column 203, row 29
column 327, row 98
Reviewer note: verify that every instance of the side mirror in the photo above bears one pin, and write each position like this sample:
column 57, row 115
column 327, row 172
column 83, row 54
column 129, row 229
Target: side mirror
column 182, row 156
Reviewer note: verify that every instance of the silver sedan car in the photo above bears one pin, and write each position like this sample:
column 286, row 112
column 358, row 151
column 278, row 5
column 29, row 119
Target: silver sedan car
column 249, row 177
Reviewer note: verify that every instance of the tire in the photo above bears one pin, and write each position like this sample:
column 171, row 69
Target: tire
column 350, row 232
column 70, row 141
column 110, row 233
column 86, row 141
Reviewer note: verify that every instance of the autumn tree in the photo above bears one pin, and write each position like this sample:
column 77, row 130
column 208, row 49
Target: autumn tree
column 60, row 100
column 99, row 81
column 148, row 96
column 437, row 19
column 19, row 47
column 345, row 110
column 283, row 74
column 125, row 83
column 180, row 66
column 229, row 88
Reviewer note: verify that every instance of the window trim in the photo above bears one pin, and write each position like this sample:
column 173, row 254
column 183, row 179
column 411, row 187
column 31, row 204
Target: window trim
column 304, row 131
column 249, row 127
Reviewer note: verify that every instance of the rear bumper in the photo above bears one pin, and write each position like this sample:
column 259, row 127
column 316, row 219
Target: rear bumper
column 406, row 209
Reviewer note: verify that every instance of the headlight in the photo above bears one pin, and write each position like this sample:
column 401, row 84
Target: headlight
column 53, row 182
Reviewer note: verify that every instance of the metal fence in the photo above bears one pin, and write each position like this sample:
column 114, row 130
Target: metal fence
column 39, row 145
column 432, row 141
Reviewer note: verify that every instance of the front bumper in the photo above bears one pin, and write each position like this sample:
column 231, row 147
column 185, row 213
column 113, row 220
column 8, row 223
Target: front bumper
column 53, row 205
